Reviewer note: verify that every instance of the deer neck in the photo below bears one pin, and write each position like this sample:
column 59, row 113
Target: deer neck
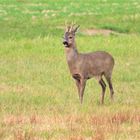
column 71, row 54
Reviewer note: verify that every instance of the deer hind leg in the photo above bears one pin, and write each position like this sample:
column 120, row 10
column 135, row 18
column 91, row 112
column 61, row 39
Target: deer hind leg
column 108, row 78
column 103, row 85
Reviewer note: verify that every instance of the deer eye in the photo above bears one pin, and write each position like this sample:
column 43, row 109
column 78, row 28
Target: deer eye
column 70, row 37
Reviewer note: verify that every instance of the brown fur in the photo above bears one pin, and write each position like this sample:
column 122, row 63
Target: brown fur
column 85, row 66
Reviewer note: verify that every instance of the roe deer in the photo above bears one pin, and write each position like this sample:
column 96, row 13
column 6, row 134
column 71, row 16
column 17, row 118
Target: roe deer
column 85, row 66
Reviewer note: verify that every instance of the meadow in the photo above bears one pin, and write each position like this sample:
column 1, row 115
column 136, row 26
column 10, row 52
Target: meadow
column 38, row 97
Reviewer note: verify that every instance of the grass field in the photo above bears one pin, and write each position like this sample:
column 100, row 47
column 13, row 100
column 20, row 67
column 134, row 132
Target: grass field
column 38, row 97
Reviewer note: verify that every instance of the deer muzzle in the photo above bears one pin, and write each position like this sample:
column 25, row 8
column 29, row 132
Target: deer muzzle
column 65, row 43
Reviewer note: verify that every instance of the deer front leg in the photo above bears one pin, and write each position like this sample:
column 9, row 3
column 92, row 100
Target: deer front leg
column 78, row 86
column 82, row 88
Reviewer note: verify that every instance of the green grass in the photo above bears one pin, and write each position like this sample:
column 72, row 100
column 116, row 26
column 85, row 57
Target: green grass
column 38, row 97
column 21, row 18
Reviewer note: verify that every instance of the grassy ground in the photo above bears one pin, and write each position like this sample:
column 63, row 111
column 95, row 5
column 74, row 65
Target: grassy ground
column 38, row 97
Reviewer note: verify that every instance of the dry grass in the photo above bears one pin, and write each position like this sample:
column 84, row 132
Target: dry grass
column 71, row 127
column 14, row 88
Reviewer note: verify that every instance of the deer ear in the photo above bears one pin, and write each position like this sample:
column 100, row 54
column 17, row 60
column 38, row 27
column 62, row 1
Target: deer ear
column 75, row 30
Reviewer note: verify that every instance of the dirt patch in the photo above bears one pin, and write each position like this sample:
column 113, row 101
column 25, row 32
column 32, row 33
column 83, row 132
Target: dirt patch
column 105, row 32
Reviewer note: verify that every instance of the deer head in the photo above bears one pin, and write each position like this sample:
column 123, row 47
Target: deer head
column 69, row 36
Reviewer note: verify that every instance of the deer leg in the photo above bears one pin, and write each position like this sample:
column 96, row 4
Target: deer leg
column 110, row 87
column 78, row 86
column 82, row 88
column 103, row 85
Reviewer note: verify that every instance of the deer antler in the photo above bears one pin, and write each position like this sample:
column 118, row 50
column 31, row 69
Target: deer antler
column 72, row 26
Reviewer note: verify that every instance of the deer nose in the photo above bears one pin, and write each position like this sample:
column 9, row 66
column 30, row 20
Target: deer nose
column 65, row 42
